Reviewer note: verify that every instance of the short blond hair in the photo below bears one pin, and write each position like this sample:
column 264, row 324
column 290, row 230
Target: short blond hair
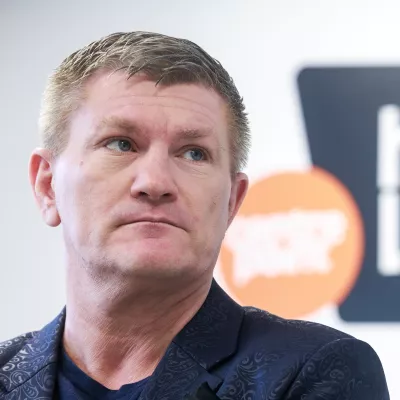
column 164, row 59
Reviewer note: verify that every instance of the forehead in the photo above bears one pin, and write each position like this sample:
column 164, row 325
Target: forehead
column 142, row 101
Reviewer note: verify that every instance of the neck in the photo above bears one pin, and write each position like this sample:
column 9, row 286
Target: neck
column 117, row 332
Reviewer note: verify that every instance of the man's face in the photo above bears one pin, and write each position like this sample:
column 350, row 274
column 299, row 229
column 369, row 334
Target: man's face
column 145, row 184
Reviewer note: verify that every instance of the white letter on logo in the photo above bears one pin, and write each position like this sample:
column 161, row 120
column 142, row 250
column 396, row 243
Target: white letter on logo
column 388, row 185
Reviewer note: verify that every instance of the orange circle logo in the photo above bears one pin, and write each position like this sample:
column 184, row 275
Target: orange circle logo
column 296, row 244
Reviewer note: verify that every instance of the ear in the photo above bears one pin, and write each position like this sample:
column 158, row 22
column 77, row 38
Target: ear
column 240, row 184
column 41, row 179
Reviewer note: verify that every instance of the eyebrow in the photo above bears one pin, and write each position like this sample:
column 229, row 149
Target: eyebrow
column 115, row 122
column 127, row 127
column 190, row 134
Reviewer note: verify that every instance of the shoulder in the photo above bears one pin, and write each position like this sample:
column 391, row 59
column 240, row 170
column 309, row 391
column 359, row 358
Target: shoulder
column 260, row 325
column 303, row 359
column 295, row 341
column 346, row 367
column 313, row 347
column 10, row 348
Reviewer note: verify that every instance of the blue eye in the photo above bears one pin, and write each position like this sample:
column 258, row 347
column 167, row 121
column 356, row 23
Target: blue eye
column 194, row 155
column 121, row 145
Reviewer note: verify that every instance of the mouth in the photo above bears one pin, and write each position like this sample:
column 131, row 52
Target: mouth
column 155, row 221
column 151, row 221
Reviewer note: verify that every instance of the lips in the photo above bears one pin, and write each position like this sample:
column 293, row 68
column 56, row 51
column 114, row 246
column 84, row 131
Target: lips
column 157, row 220
column 127, row 220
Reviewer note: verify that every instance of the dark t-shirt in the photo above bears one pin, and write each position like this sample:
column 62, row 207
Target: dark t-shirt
column 74, row 384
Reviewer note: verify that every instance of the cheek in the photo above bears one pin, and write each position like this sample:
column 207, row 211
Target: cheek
column 79, row 193
column 93, row 196
column 219, row 204
column 221, row 210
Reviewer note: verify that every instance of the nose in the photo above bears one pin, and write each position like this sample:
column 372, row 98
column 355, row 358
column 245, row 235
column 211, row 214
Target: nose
column 153, row 179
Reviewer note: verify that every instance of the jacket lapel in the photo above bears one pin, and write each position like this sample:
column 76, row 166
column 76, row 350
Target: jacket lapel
column 32, row 372
column 209, row 338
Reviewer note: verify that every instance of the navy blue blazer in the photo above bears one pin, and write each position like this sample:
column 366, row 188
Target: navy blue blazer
column 225, row 352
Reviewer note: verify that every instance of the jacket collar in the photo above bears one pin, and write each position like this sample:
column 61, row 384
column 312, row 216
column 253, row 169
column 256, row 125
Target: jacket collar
column 213, row 332
column 209, row 338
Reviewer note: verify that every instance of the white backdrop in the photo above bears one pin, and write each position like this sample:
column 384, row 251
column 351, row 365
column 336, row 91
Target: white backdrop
column 263, row 44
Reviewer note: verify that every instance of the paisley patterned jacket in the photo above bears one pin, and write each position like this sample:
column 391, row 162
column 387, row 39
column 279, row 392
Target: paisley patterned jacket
column 234, row 352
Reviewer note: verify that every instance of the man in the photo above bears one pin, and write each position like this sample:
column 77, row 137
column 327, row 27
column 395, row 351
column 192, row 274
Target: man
column 144, row 139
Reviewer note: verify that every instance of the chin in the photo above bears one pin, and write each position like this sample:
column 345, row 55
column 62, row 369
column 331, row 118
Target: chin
column 157, row 261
